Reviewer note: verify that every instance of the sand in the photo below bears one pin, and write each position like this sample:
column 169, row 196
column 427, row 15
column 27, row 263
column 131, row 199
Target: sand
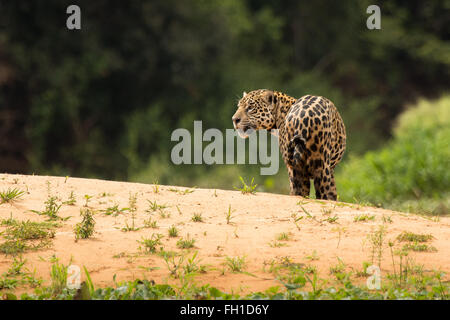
column 257, row 220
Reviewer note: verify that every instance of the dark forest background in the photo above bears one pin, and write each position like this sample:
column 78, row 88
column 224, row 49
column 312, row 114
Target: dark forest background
column 103, row 101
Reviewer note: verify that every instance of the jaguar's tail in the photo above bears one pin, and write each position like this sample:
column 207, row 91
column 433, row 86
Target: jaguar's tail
column 296, row 148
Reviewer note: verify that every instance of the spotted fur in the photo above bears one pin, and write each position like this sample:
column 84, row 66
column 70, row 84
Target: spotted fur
column 311, row 134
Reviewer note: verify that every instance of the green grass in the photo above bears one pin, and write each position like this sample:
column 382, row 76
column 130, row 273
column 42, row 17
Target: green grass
column 277, row 244
column 173, row 232
column 153, row 206
column 186, row 243
column 10, row 195
column 28, row 230
column 72, row 199
column 297, row 282
column 418, row 247
column 149, row 223
column 132, row 227
column 364, row 218
column 245, row 188
column 414, row 237
column 150, row 245
column 18, row 275
column 284, row 236
column 197, row 217
column 58, row 276
column 115, row 210
column 235, row 264
column 14, row 247
column 22, row 236
column 333, row 219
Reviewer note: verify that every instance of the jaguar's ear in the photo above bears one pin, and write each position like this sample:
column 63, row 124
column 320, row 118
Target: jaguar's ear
column 269, row 97
column 244, row 94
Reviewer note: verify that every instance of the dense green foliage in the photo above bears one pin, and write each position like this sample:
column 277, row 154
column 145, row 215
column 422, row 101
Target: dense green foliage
column 414, row 165
column 103, row 101
column 427, row 288
column 297, row 282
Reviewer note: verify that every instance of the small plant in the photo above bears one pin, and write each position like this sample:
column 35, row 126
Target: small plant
column 182, row 192
column 191, row 265
column 51, row 208
column 245, row 189
column 340, row 231
column 339, row 268
column 131, row 227
column 115, row 210
column 173, row 264
column 186, row 243
column 173, row 232
column 332, row 219
column 149, row 223
column 418, row 247
column 72, row 199
column 296, row 220
column 376, row 239
column 163, row 214
column 364, row 218
column 236, row 264
column 400, row 276
column 313, row 256
column 197, row 217
column 132, row 202
column 151, row 244
column 186, row 191
column 85, row 229
column 284, row 236
column 308, row 215
column 106, row 194
column 156, row 186
column 58, row 275
column 386, row 219
column 363, row 273
column 87, row 198
column 414, row 237
column 10, row 195
column 153, row 206
column 228, row 215
column 277, row 244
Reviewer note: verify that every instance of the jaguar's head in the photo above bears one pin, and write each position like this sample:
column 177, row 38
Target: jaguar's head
column 254, row 112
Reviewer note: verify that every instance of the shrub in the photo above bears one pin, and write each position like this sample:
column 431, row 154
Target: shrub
column 413, row 165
